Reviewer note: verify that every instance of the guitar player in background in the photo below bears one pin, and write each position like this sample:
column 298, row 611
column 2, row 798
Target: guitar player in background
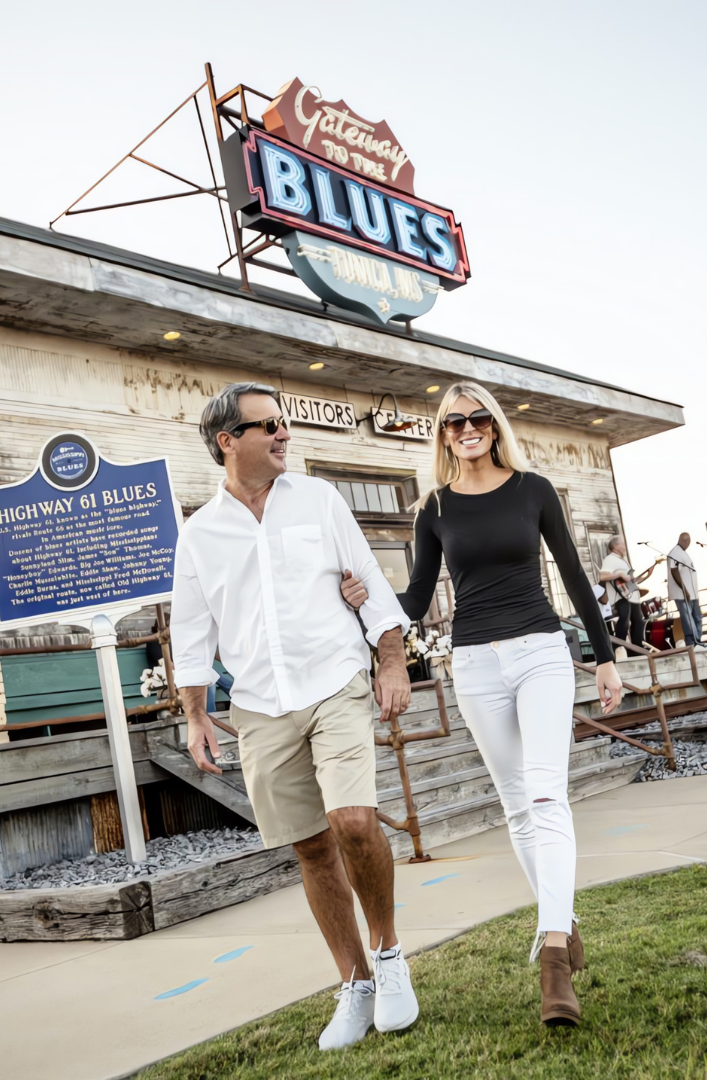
column 623, row 592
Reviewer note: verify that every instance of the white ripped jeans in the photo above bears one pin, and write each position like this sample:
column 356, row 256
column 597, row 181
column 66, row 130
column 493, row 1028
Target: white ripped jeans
column 516, row 697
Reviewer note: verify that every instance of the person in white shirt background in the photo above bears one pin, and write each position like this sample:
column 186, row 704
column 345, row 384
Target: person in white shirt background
column 683, row 589
column 602, row 595
column 258, row 571
column 626, row 600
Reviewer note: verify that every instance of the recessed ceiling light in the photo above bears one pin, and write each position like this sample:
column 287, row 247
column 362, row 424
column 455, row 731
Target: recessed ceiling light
column 316, row 367
column 599, row 420
column 521, row 407
column 171, row 335
column 432, row 389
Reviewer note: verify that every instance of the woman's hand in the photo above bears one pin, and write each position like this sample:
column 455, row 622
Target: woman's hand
column 353, row 590
column 609, row 686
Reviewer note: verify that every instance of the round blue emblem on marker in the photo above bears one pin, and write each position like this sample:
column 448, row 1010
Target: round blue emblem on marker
column 68, row 461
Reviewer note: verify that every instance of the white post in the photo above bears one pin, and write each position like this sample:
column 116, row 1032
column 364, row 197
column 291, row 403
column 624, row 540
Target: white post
column 103, row 640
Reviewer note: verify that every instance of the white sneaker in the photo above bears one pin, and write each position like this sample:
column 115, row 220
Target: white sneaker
column 396, row 1006
column 352, row 1019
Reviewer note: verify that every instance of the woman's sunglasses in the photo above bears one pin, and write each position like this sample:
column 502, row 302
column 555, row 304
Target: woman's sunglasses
column 271, row 426
column 455, row 422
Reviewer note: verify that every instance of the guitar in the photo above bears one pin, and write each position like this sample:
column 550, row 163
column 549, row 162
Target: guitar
column 626, row 586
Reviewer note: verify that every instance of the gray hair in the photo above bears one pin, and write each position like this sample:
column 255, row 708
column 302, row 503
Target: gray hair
column 614, row 541
column 223, row 413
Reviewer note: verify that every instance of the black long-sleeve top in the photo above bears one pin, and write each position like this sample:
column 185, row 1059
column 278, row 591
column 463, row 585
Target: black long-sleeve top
column 491, row 544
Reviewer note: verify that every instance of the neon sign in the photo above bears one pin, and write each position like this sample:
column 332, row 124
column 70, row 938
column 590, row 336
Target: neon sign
column 280, row 189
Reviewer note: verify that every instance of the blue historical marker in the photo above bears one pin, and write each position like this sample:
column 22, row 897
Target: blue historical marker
column 84, row 534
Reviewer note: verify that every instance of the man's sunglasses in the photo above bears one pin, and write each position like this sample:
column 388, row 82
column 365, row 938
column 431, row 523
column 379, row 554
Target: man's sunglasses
column 455, row 422
column 271, row 426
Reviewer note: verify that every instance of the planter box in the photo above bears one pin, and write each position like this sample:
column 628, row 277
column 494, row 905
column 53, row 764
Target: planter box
column 128, row 909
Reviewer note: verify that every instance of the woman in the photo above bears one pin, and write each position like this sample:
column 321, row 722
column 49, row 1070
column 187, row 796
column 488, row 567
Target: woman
column 512, row 669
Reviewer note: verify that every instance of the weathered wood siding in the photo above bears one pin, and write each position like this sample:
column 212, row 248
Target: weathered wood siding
column 139, row 405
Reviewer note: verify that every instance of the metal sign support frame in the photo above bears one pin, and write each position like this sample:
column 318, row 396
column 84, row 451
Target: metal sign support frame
column 245, row 252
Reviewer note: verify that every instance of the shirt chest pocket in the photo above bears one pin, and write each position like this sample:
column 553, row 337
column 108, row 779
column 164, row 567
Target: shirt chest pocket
column 303, row 546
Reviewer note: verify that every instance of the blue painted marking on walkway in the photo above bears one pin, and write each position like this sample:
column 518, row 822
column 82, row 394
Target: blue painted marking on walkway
column 621, row 830
column 436, row 880
column 180, row 989
column 232, row 955
column 400, row 905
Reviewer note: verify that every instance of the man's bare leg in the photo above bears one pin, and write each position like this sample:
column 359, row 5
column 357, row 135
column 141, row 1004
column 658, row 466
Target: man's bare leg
column 331, row 900
column 369, row 866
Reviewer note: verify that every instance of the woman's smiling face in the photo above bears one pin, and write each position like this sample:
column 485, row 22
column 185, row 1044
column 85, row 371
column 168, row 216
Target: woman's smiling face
column 472, row 443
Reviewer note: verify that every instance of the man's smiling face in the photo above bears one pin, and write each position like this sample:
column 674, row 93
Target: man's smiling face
column 257, row 456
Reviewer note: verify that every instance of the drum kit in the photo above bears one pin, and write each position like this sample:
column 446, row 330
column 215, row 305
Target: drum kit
column 659, row 624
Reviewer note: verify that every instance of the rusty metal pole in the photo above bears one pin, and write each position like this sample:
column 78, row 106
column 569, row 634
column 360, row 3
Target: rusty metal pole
column 167, row 656
column 396, row 739
column 412, row 825
column 657, row 690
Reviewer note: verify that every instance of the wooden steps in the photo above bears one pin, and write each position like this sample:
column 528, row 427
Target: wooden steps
column 456, row 802
column 452, row 789
column 228, row 789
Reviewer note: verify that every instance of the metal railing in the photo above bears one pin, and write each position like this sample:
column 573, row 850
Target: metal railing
column 656, row 690
column 396, row 739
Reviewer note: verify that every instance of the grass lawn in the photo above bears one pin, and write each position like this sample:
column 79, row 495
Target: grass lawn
column 643, row 996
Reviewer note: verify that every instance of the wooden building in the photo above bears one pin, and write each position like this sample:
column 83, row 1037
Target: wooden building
column 82, row 347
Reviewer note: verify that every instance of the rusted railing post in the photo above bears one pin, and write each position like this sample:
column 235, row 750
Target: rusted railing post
column 397, row 739
column 163, row 637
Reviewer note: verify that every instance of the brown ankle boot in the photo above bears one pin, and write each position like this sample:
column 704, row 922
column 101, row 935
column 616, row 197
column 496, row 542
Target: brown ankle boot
column 559, row 1001
column 575, row 949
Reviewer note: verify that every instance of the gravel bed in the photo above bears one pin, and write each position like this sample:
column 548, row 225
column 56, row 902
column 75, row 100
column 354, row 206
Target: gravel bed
column 164, row 853
column 690, row 758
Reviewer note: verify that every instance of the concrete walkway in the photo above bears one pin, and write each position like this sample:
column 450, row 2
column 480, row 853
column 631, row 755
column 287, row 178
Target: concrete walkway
column 92, row 1011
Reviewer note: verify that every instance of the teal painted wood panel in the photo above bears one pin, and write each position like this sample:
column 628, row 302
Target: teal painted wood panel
column 48, row 686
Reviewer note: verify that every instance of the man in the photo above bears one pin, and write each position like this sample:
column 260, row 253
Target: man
column 682, row 588
column 622, row 590
column 258, row 570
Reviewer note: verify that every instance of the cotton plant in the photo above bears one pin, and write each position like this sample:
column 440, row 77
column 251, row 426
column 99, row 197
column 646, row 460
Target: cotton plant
column 435, row 646
column 415, row 647
column 440, row 654
column 153, row 680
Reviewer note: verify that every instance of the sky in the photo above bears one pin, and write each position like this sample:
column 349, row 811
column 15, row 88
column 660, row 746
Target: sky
column 568, row 137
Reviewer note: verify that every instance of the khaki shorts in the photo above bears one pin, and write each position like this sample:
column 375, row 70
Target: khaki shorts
column 300, row 766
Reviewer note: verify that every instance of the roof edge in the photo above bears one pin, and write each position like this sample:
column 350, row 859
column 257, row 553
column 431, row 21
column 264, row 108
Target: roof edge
column 278, row 298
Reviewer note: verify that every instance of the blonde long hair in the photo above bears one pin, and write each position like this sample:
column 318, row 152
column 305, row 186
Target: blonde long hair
column 506, row 452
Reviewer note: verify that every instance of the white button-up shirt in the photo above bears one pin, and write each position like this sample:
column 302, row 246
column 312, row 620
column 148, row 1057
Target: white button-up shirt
column 268, row 593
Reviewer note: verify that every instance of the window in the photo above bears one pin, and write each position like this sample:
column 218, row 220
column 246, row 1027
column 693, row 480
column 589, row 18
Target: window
column 598, row 541
column 564, row 498
column 557, row 594
column 394, row 560
column 371, row 493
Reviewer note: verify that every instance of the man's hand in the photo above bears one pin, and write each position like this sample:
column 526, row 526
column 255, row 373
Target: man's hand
column 392, row 682
column 200, row 730
column 609, row 686
column 353, row 590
